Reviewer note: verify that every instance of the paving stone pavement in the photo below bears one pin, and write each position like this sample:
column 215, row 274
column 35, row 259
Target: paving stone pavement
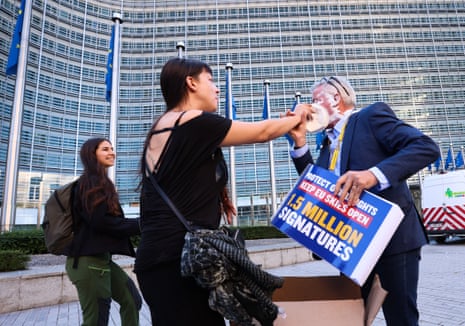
column 441, row 295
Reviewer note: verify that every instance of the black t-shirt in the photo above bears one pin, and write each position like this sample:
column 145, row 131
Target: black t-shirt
column 188, row 173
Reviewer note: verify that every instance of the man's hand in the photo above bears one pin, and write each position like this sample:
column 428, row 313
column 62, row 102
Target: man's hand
column 298, row 134
column 351, row 184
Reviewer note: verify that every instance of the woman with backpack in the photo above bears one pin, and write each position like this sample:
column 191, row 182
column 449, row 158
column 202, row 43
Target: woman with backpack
column 101, row 231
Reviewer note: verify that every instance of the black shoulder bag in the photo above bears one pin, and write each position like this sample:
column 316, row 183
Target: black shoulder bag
column 218, row 260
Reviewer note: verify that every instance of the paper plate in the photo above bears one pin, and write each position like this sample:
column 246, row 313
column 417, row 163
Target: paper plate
column 320, row 119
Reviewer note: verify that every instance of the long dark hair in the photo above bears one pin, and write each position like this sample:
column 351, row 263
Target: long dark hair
column 95, row 186
column 173, row 78
column 173, row 87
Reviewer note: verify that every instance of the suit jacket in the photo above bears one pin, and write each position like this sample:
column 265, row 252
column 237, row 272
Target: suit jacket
column 374, row 136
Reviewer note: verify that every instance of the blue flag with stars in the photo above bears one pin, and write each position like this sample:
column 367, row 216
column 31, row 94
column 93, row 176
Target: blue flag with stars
column 459, row 160
column 226, row 108
column 109, row 75
column 437, row 163
column 12, row 64
column 448, row 163
column 265, row 107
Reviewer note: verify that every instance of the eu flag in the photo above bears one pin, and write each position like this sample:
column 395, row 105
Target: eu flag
column 226, row 107
column 448, row 162
column 12, row 64
column 294, row 105
column 459, row 160
column 109, row 75
column 265, row 107
column 437, row 163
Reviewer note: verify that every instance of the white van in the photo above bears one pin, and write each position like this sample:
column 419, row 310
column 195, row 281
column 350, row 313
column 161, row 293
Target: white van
column 443, row 205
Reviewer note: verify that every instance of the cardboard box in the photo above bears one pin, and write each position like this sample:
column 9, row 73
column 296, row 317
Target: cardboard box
column 325, row 301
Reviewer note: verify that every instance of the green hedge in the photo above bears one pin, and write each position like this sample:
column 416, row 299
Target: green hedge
column 13, row 260
column 261, row 232
column 26, row 241
column 17, row 245
column 32, row 241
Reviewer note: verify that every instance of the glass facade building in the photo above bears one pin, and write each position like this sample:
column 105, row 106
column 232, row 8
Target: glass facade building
column 410, row 54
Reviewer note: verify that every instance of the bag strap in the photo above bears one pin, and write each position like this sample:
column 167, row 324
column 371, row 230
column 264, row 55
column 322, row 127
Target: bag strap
column 155, row 183
column 75, row 245
column 167, row 199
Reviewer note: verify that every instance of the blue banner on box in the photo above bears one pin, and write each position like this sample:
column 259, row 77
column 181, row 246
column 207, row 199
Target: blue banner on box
column 351, row 238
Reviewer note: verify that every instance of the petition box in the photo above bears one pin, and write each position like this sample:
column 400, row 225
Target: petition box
column 326, row 301
column 351, row 238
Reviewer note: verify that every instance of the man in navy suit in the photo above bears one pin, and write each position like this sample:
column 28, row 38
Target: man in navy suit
column 372, row 149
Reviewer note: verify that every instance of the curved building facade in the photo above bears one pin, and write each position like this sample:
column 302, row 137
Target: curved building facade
column 408, row 53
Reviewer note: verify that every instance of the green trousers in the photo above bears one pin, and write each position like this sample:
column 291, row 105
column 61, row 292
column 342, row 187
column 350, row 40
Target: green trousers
column 98, row 280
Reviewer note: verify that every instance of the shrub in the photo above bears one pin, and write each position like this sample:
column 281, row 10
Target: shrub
column 13, row 260
column 31, row 241
column 27, row 241
column 261, row 232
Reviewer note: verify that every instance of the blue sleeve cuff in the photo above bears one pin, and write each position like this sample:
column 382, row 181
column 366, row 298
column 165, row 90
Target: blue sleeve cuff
column 299, row 152
column 383, row 182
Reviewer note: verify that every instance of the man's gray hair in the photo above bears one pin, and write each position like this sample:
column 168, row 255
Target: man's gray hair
column 342, row 86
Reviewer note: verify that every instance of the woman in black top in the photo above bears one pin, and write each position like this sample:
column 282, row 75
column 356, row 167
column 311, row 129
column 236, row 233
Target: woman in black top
column 183, row 151
column 102, row 231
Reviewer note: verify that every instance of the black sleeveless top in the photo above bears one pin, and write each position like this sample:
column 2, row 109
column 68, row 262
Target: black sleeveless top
column 192, row 172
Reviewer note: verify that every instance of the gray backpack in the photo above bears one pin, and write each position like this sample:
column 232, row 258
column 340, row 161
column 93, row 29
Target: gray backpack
column 58, row 220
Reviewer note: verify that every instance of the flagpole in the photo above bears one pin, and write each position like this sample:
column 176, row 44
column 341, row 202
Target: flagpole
column 266, row 83
column 12, row 162
column 297, row 96
column 463, row 157
column 232, row 158
column 180, row 49
column 440, row 155
column 114, row 102
column 452, row 156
